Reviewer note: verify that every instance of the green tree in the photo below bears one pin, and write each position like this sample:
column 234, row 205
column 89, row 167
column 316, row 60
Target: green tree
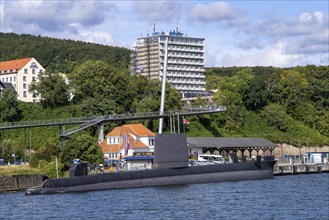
column 100, row 88
column 256, row 95
column 275, row 115
column 52, row 88
column 84, row 147
column 9, row 106
column 293, row 91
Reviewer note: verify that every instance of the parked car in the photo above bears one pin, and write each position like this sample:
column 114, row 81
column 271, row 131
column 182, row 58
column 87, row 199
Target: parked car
column 76, row 161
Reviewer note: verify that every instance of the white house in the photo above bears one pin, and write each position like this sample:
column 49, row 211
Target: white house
column 128, row 140
column 21, row 73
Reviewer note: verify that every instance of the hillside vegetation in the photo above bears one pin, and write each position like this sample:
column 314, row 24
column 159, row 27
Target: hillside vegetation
column 60, row 55
column 288, row 105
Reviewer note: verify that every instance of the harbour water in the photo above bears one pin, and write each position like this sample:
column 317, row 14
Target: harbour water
column 283, row 197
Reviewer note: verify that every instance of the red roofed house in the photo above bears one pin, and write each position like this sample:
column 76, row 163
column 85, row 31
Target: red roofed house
column 128, row 140
column 21, row 73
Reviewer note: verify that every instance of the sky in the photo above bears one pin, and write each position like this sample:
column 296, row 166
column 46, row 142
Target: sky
column 237, row 33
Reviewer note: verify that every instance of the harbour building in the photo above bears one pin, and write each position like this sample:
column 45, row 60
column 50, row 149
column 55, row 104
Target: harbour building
column 180, row 55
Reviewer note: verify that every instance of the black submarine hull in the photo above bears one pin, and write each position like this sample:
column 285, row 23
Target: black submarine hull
column 158, row 177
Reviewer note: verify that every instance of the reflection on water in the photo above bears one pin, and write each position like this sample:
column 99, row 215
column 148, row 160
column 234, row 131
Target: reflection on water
column 284, row 197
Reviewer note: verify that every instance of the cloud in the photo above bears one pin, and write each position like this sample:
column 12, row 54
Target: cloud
column 251, row 43
column 311, row 44
column 84, row 34
column 54, row 16
column 2, row 13
column 166, row 11
column 307, row 23
column 270, row 56
column 219, row 12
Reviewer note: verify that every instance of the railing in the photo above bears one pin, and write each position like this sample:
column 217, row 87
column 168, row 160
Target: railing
column 37, row 123
column 85, row 122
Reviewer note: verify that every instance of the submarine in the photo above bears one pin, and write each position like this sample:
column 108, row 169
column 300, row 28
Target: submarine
column 170, row 168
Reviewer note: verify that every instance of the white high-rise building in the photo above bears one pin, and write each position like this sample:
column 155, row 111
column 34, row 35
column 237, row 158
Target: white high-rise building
column 185, row 60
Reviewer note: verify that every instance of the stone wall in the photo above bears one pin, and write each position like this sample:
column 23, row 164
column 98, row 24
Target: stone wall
column 20, row 182
column 292, row 150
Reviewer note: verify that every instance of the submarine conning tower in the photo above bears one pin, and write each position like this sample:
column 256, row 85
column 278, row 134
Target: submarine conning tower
column 170, row 151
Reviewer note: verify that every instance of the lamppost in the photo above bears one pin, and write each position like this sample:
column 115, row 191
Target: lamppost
column 14, row 156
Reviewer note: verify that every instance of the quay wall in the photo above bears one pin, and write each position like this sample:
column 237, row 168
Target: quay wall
column 20, row 182
column 286, row 169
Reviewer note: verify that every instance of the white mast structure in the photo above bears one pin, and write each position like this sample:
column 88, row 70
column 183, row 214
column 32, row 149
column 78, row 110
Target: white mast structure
column 163, row 90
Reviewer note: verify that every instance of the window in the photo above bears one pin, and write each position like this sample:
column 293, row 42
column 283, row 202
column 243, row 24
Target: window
column 33, row 78
column 151, row 141
column 25, row 71
column 33, row 71
column 24, row 94
column 24, row 78
column 24, row 86
column 14, row 78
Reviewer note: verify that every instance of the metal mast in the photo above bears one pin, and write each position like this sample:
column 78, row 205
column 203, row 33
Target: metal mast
column 163, row 91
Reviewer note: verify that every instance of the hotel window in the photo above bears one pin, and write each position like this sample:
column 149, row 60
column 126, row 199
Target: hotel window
column 33, row 71
column 14, row 78
column 24, row 94
column 25, row 71
column 24, row 86
column 11, row 79
column 24, row 78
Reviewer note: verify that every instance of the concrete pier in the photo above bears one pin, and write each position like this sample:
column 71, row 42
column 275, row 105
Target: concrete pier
column 288, row 169
column 20, row 182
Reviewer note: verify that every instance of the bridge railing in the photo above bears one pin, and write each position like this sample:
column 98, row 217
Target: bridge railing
column 110, row 117
column 206, row 108
column 89, row 121
column 45, row 122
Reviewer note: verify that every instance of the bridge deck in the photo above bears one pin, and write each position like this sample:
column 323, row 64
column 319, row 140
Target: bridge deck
column 85, row 122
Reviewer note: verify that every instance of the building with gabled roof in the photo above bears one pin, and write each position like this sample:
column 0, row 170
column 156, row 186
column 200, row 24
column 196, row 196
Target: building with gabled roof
column 21, row 73
column 128, row 140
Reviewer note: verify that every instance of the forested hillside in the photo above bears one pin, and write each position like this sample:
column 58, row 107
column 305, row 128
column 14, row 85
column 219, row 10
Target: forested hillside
column 288, row 105
column 284, row 105
column 59, row 55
